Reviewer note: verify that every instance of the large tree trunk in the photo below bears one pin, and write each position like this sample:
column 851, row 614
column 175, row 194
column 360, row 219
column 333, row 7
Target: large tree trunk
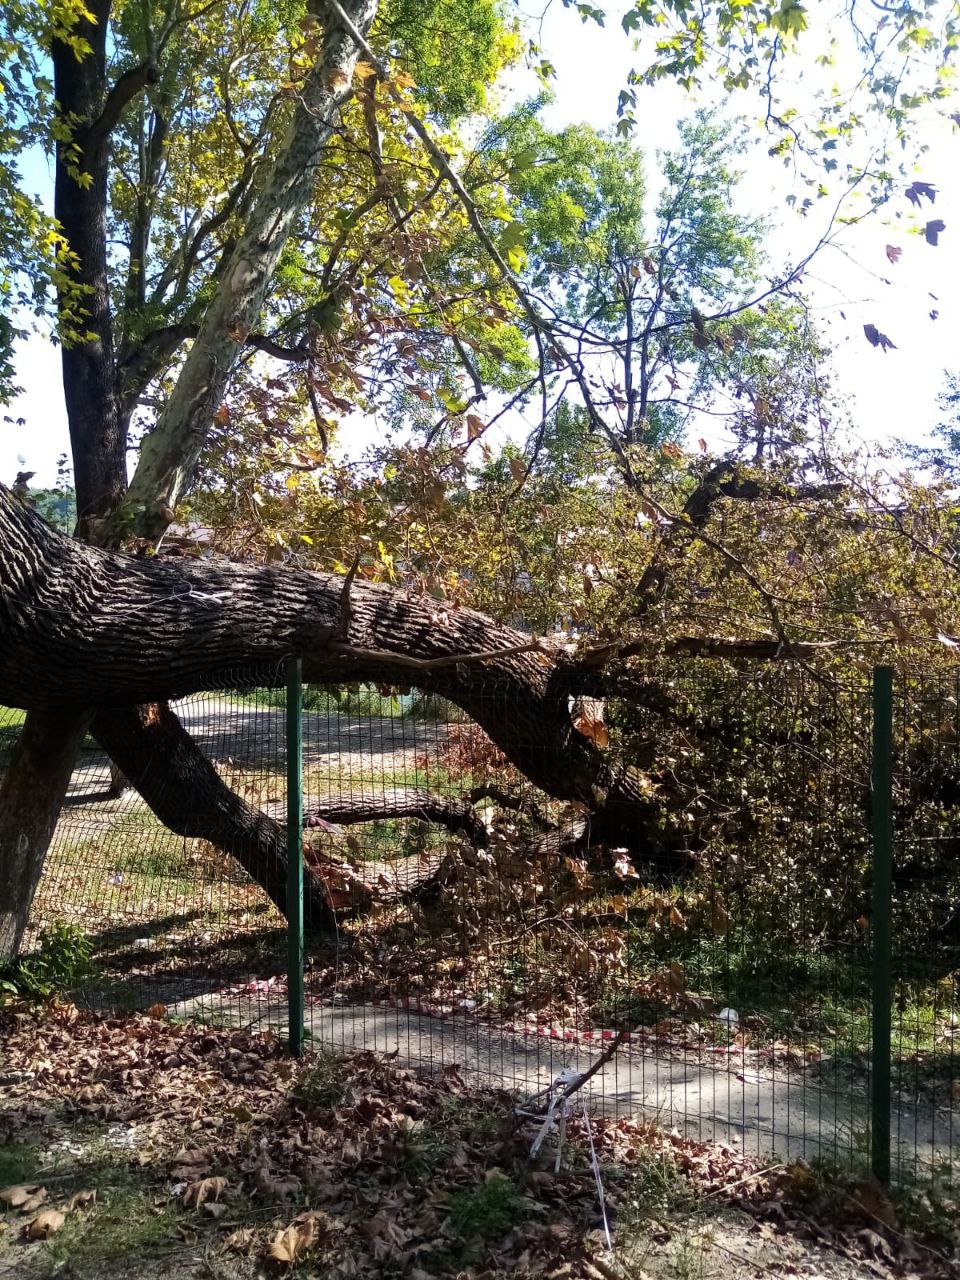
column 31, row 793
column 37, row 777
column 97, row 421
column 86, row 627
column 97, row 435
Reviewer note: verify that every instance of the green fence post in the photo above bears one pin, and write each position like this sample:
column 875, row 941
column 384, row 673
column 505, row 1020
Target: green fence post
column 295, row 854
column 882, row 960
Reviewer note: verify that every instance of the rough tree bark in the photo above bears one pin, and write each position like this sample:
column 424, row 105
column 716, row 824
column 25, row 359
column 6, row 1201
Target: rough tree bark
column 35, row 783
column 80, row 627
column 42, row 761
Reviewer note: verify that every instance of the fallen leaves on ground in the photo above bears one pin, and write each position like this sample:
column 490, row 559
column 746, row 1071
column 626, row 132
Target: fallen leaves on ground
column 207, row 1189
column 364, row 1167
column 292, row 1243
column 44, row 1224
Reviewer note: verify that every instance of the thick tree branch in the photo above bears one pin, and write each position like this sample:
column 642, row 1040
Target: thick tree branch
column 84, row 627
column 126, row 88
column 169, row 454
column 186, row 793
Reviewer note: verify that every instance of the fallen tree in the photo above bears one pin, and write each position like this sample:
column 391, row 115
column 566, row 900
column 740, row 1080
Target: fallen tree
column 81, row 627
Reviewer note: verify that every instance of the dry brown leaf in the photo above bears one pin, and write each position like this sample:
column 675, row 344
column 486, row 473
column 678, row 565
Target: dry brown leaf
column 274, row 1187
column 44, row 1224
column 16, row 1196
column 290, row 1244
column 80, row 1200
column 215, row 1208
column 198, row 1193
column 871, row 1199
column 194, row 1156
column 241, row 1240
column 35, row 1201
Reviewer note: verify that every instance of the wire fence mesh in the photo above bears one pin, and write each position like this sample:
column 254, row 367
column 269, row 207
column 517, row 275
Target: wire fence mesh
column 460, row 915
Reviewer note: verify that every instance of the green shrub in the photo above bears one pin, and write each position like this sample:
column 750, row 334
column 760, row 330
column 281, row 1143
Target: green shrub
column 490, row 1209
column 63, row 959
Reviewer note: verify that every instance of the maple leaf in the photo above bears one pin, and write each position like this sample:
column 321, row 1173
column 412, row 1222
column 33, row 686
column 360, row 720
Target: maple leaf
column 918, row 189
column 878, row 339
column 932, row 230
column 894, row 252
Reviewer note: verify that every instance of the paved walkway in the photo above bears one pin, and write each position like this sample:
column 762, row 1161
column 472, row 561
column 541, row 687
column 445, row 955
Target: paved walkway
column 765, row 1112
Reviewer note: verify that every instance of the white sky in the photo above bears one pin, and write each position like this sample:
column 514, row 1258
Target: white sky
column 891, row 394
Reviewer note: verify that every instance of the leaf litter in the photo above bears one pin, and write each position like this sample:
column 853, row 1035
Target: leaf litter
column 360, row 1167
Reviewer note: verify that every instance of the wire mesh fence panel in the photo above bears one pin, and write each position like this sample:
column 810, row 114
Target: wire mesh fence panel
column 709, row 900
column 926, row 923
column 172, row 920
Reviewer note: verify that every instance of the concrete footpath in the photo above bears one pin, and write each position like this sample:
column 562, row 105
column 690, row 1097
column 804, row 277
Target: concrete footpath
column 766, row 1111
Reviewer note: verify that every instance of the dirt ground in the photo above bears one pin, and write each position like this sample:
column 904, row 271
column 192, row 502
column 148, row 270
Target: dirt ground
column 148, row 1148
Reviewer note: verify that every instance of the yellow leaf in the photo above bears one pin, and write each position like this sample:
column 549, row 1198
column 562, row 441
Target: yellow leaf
column 590, row 723
column 399, row 289
column 290, row 1244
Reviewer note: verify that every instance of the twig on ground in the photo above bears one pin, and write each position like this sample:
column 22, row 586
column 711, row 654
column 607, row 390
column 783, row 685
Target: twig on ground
column 757, row 1173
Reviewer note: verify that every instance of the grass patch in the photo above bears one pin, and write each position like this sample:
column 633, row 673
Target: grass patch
column 365, row 700
column 127, row 1224
column 19, row 1162
column 488, row 1210
column 321, row 1087
column 655, row 1184
column 129, row 1221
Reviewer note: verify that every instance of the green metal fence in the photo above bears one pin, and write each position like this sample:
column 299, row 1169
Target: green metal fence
column 779, row 947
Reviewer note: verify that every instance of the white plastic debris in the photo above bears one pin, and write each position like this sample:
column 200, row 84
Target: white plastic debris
column 729, row 1016
column 142, row 944
column 567, row 1077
